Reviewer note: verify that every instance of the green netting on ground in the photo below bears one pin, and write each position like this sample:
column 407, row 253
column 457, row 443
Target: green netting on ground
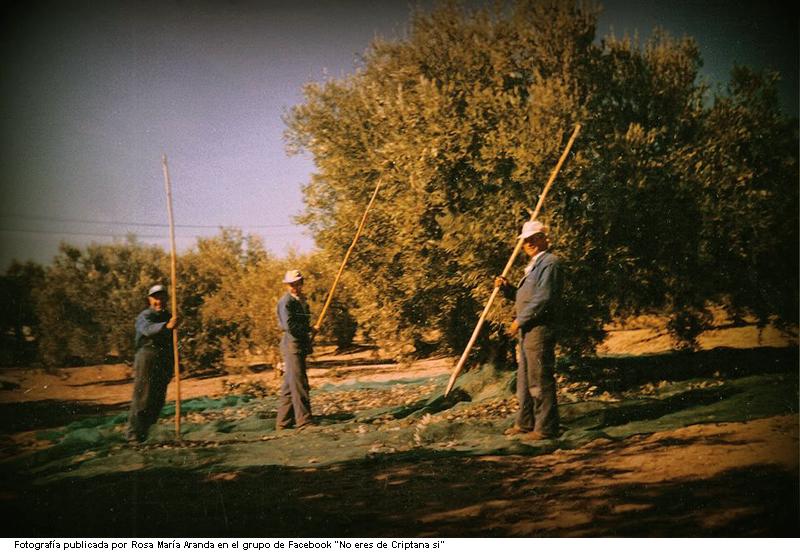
column 413, row 418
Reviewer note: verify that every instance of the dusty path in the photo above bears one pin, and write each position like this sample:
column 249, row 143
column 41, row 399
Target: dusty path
column 111, row 384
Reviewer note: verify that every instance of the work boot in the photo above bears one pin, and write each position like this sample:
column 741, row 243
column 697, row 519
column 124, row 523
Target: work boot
column 515, row 431
column 135, row 438
column 536, row 436
column 306, row 425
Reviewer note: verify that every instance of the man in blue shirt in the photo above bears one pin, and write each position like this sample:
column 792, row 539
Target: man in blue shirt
column 152, row 364
column 536, row 299
column 294, row 317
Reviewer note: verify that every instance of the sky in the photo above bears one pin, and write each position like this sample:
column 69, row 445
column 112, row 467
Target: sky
column 93, row 93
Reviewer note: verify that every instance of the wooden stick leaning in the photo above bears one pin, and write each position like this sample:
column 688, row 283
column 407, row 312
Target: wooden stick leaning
column 318, row 324
column 511, row 260
column 174, row 296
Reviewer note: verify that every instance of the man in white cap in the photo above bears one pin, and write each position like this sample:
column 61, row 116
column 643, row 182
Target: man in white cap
column 536, row 299
column 152, row 363
column 294, row 317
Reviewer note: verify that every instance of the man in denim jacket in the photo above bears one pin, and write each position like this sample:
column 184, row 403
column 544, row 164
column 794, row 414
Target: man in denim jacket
column 294, row 317
column 152, row 364
column 536, row 299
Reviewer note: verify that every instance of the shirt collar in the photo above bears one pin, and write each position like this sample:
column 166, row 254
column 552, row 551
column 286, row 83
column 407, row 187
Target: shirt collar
column 532, row 262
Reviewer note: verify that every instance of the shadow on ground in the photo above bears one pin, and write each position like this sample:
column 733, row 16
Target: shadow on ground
column 620, row 373
column 397, row 496
column 35, row 415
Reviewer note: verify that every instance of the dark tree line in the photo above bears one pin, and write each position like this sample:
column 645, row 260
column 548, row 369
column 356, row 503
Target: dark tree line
column 80, row 309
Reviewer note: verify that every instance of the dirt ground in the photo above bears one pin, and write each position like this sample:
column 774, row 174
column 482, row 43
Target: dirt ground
column 704, row 479
column 111, row 384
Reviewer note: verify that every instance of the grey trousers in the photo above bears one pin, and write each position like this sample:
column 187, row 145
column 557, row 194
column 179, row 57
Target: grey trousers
column 294, row 402
column 152, row 373
column 536, row 383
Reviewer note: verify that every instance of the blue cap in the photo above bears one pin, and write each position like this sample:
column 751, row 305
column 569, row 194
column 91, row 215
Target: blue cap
column 156, row 289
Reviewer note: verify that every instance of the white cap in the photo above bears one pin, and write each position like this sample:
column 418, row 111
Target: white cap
column 156, row 289
column 530, row 228
column 292, row 276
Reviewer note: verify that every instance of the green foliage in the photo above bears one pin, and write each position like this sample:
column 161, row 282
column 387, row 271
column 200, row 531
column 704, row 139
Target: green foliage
column 89, row 299
column 238, row 312
column 745, row 168
column 463, row 120
column 210, row 295
column 228, row 287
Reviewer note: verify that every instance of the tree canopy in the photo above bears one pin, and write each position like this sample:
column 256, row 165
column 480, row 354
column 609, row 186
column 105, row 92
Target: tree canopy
column 81, row 309
column 671, row 201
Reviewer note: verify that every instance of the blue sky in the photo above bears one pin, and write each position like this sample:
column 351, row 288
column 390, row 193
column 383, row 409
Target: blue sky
column 92, row 94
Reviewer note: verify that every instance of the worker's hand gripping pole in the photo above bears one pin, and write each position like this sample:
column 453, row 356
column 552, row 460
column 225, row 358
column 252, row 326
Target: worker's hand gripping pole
column 508, row 266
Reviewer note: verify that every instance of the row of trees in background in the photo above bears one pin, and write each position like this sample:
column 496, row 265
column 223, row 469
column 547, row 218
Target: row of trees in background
column 81, row 308
column 676, row 197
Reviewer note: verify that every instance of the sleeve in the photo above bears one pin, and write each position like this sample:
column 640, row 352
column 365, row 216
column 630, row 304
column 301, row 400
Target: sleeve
column 145, row 326
column 508, row 291
column 283, row 315
column 541, row 300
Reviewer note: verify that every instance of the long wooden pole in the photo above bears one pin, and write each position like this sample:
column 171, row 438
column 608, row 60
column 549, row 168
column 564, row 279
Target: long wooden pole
column 511, row 260
column 318, row 324
column 174, row 296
